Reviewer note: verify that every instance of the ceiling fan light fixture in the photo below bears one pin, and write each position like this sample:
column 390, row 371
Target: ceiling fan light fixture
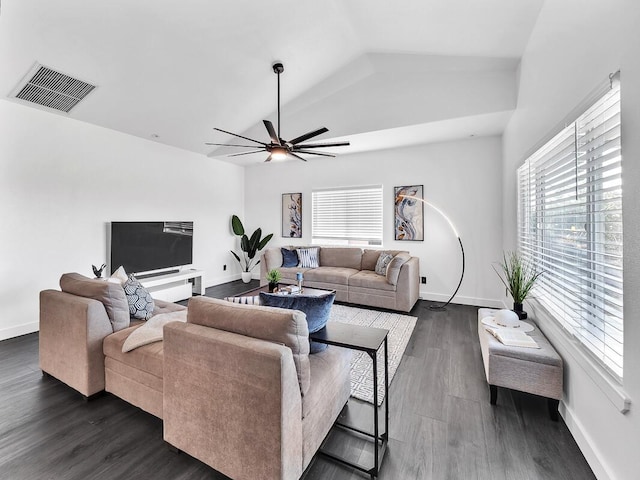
column 278, row 153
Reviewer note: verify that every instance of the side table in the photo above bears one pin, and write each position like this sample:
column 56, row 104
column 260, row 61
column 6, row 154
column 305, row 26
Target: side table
column 369, row 340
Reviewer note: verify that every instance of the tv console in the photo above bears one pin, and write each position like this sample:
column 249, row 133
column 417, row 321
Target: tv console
column 175, row 286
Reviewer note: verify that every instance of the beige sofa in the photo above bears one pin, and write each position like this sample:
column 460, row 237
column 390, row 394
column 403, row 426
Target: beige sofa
column 235, row 385
column 351, row 273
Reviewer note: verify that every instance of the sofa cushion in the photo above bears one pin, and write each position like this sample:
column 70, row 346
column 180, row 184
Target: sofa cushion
column 110, row 294
column 308, row 257
column 289, row 257
column 140, row 302
column 335, row 275
column 317, row 310
column 287, row 327
column 348, row 257
column 393, row 269
column 148, row 358
column 369, row 259
column 369, row 279
column 383, row 261
column 289, row 274
column 272, row 258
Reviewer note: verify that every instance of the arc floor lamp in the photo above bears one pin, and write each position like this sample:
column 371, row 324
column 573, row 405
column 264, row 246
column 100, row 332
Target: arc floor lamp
column 443, row 306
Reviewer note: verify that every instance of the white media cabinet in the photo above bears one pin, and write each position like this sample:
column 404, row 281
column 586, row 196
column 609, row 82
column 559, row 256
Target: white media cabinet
column 175, row 286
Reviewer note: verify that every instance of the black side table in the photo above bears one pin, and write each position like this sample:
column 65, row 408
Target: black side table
column 369, row 340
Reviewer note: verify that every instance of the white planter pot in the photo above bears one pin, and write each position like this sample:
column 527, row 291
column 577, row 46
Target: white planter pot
column 246, row 277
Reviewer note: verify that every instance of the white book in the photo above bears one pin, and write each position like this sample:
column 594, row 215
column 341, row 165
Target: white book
column 512, row 338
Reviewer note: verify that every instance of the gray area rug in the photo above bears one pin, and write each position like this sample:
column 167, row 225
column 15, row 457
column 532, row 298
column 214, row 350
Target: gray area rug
column 400, row 328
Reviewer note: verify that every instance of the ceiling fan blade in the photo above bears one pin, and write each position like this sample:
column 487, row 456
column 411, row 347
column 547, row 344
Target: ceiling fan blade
column 296, row 156
column 240, row 136
column 268, row 158
column 272, row 132
column 311, row 152
column 309, row 135
column 230, row 145
column 245, row 153
column 321, row 145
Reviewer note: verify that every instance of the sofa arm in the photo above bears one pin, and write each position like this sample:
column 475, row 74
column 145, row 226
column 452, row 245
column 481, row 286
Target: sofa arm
column 232, row 402
column 71, row 333
column 408, row 286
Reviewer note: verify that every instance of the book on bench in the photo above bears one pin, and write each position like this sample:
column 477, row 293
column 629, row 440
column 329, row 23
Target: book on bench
column 512, row 338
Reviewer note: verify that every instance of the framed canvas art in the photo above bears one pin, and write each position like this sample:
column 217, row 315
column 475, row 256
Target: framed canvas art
column 408, row 213
column 292, row 215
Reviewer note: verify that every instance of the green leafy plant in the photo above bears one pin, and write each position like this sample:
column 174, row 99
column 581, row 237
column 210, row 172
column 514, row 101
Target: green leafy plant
column 250, row 246
column 273, row 276
column 517, row 275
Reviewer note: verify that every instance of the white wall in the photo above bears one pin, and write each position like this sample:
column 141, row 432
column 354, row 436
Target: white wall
column 62, row 181
column 463, row 178
column 575, row 45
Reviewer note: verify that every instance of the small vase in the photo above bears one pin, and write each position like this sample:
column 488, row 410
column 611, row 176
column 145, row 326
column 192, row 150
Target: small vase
column 246, row 277
column 517, row 307
column 272, row 286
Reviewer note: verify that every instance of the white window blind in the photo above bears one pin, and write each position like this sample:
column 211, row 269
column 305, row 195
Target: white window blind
column 570, row 226
column 347, row 215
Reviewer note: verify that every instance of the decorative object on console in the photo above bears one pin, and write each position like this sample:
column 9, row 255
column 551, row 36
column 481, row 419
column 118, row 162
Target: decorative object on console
column 455, row 232
column 292, row 215
column 140, row 302
column 409, row 213
column 249, row 246
column 98, row 271
column 278, row 148
column 289, row 258
column 273, row 277
column 518, row 276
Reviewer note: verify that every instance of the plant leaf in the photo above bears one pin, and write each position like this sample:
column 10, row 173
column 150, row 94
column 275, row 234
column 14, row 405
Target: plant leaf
column 264, row 241
column 236, row 225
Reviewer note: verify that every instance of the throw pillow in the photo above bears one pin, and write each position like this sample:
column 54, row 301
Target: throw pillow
column 119, row 276
column 393, row 269
column 308, row 257
column 317, row 310
column 140, row 302
column 382, row 263
column 255, row 300
column 289, row 258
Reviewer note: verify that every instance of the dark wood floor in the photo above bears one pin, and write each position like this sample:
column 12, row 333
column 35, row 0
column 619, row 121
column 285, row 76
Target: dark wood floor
column 442, row 425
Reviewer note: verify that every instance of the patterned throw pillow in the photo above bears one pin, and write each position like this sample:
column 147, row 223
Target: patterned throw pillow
column 289, row 258
column 383, row 262
column 308, row 257
column 141, row 303
column 255, row 300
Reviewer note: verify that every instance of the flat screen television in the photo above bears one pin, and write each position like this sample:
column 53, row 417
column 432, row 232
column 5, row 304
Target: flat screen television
column 147, row 246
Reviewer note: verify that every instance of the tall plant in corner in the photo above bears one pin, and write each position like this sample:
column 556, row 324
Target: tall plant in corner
column 250, row 246
column 518, row 277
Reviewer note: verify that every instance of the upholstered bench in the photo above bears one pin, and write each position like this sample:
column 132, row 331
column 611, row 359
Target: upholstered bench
column 531, row 370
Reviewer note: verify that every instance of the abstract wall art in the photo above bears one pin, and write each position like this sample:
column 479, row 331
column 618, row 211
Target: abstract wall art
column 292, row 215
column 408, row 213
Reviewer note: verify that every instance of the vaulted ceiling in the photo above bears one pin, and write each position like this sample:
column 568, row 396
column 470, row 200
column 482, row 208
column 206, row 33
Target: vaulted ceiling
column 381, row 74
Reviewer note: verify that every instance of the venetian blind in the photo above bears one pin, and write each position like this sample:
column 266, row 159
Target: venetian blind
column 570, row 226
column 352, row 215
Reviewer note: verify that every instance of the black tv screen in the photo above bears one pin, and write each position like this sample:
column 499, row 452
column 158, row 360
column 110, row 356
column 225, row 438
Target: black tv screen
column 145, row 246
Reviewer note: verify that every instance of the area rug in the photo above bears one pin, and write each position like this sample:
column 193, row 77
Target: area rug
column 400, row 328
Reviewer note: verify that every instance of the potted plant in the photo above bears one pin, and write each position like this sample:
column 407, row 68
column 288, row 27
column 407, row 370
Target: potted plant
column 250, row 246
column 273, row 277
column 518, row 277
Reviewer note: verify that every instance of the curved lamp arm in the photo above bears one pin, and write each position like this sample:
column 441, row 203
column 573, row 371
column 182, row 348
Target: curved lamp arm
column 455, row 232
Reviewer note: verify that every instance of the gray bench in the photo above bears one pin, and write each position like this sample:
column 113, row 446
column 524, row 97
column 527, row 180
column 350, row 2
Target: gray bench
column 531, row 370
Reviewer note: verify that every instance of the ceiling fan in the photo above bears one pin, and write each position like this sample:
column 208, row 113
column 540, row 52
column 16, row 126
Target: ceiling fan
column 278, row 148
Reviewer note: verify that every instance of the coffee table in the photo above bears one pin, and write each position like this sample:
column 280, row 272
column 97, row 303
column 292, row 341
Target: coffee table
column 306, row 292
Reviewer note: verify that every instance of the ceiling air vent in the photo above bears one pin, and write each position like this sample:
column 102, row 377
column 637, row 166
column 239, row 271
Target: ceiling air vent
column 52, row 89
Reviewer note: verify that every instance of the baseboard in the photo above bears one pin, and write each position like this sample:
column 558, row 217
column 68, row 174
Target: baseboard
column 462, row 300
column 585, row 445
column 18, row 330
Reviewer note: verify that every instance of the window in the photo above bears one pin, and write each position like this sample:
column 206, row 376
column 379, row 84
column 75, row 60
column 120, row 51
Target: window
column 347, row 216
column 570, row 226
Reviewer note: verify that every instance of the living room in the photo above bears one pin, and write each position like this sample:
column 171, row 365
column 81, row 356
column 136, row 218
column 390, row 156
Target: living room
column 482, row 104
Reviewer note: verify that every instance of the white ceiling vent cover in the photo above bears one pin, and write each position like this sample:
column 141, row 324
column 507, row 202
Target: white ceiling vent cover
column 46, row 87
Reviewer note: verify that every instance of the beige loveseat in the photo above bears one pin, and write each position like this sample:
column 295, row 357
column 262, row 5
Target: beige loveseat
column 350, row 271
column 235, row 385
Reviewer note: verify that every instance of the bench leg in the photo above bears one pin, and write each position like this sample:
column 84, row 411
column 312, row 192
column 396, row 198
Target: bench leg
column 553, row 408
column 494, row 394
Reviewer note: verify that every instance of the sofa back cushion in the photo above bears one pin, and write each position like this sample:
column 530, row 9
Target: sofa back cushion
column 110, row 294
column 369, row 259
column 348, row 257
column 273, row 258
column 279, row 325
column 393, row 269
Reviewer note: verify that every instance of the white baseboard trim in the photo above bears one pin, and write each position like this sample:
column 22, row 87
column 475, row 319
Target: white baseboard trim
column 459, row 299
column 586, row 446
column 18, row 330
